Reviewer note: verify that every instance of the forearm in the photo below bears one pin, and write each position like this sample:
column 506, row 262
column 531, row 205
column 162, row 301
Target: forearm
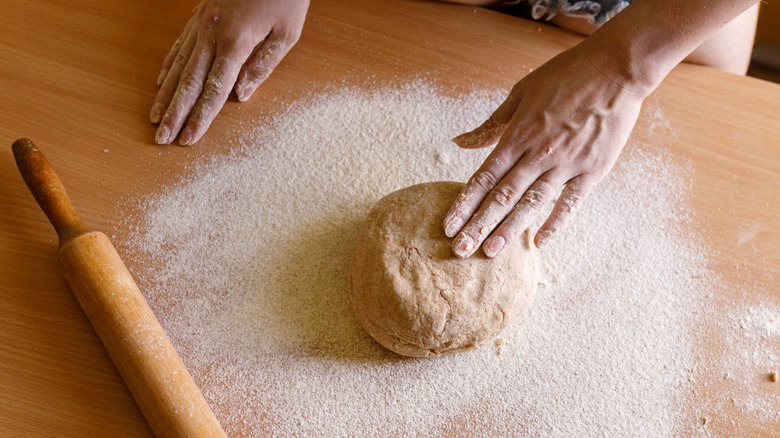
column 650, row 37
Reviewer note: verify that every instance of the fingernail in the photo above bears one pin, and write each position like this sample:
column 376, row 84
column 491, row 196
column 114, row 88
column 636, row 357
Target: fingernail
column 162, row 135
column 543, row 237
column 492, row 247
column 461, row 140
column 463, row 245
column 185, row 137
column 156, row 113
column 161, row 77
column 245, row 93
column 452, row 226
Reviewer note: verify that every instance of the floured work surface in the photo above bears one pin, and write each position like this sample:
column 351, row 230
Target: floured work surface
column 80, row 82
column 246, row 265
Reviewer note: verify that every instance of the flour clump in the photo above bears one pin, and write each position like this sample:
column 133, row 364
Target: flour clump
column 413, row 296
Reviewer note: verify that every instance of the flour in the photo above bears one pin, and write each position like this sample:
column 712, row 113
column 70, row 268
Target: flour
column 245, row 263
column 752, row 355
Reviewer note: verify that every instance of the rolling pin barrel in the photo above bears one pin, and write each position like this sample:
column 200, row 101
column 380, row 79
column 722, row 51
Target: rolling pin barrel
column 153, row 371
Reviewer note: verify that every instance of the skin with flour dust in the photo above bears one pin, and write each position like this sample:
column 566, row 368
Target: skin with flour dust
column 226, row 44
column 564, row 125
column 561, row 128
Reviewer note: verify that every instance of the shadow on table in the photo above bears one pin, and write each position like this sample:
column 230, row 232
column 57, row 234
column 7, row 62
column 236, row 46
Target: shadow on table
column 314, row 299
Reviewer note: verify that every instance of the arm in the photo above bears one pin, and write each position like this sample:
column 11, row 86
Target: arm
column 564, row 125
column 225, row 43
column 653, row 36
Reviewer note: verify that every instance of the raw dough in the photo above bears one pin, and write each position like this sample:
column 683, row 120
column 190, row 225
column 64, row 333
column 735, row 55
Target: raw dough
column 413, row 296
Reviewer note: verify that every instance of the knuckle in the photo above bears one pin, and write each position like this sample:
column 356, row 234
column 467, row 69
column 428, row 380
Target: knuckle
column 170, row 113
column 226, row 43
column 571, row 199
column 484, row 179
column 538, row 157
column 506, row 196
column 210, row 93
column 181, row 59
column 574, row 196
column 194, row 124
column 474, row 231
column 214, row 84
column 200, row 115
column 231, row 42
column 544, row 187
column 571, row 203
column 271, row 48
column 533, row 199
column 187, row 85
column 210, row 14
column 536, row 197
column 199, row 127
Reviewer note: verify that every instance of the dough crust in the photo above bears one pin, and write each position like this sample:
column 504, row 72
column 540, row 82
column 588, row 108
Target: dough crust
column 413, row 296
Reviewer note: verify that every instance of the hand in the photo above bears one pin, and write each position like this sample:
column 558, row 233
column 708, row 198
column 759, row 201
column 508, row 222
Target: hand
column 562, row 126
column 225, row 43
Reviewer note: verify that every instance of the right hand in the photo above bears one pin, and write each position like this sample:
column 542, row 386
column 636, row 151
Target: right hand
column 562, row 127
column 226, row 43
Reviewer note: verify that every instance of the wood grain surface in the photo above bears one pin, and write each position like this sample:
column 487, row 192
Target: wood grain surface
column 79, row 78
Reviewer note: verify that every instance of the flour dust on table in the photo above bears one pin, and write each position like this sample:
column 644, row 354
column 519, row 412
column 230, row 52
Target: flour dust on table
column 246, row 265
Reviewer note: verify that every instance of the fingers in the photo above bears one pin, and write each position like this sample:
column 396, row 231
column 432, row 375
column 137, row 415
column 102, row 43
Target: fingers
column 216, row 90
column 498, row 163
column 495, row 167
column 491, row 131
column 171, row 81
column 169, row 58
column 189, row 87
column 214, row 53
column 567, row 205
column 522, row 215
column 516, row 216
column 519, row 198
column 262, row 63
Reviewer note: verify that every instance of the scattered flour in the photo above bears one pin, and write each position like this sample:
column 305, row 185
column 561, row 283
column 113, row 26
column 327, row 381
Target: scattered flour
column 751, row 355
column 758, row 322
column 245, row 264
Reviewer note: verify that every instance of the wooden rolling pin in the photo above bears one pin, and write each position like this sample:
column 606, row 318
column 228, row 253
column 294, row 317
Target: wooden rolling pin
column 161, row 385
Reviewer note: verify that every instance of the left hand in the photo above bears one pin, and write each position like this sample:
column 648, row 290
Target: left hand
column 562, row 126
column 226, row 42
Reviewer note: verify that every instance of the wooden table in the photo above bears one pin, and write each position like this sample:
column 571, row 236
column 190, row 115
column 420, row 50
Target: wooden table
column 78, row 78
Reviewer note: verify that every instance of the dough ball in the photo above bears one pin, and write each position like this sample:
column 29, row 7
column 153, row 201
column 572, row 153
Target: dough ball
column 413, row 296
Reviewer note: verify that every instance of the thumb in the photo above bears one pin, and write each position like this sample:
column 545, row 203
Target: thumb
column 488, row 133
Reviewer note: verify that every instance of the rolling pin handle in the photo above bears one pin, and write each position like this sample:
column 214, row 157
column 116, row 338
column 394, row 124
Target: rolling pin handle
column 47, row 189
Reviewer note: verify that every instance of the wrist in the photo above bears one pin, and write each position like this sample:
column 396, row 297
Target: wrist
column 622, row 68
column 634, row 62
column 646, row 40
